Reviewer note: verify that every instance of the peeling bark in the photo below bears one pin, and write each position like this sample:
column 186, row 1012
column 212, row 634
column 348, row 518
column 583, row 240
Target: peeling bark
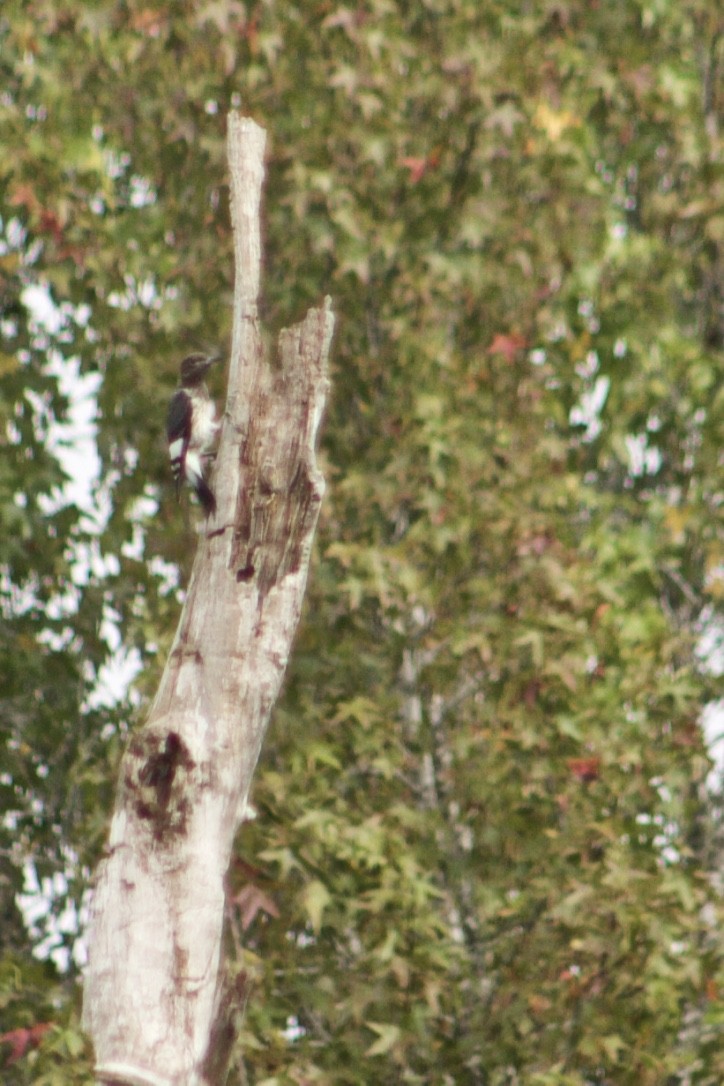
column 153, row 981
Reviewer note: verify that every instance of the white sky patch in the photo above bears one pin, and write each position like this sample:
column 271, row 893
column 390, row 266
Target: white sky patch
column 587, row 412
column 141, row 292
column 142, row 192
column 49, row 931
column 643, row 459
column 15, row 599
column 712, row 722
column 710, row 647
column 74, row 443
column 167, row 574
column 144, row 507
column 293, row 1030
column 590, row 365
column 114, row 680
column 88, row 561
column 710, row 650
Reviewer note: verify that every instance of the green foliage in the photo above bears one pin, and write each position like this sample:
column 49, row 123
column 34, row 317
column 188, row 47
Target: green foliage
column 484, row 845
column 41, row 1042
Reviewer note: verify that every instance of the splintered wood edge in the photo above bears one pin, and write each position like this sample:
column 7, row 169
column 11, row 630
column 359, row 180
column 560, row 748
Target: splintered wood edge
column 245, row 145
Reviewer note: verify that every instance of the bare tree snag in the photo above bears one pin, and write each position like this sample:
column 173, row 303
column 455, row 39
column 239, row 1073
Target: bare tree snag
column 152, row 982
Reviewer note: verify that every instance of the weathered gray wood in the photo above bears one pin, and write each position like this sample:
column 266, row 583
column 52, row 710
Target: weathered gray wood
column 155, row 932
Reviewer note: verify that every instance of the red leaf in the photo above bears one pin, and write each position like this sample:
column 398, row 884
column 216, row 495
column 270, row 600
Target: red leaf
column 20, row 1040
column 416, row 166
column 531, row 692
column 249, row 901
column 50, row 224
column 246, row 870
column 585, row 769
column 507, row 344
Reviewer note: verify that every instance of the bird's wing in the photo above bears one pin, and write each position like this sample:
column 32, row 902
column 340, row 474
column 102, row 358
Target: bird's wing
column 178, row 420
column 178, row 433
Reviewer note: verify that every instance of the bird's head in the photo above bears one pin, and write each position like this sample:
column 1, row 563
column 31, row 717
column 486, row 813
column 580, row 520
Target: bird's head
column 195, row 367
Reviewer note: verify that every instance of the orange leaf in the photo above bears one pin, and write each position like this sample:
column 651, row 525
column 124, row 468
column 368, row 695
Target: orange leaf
column 23, row 195
column 150, row 22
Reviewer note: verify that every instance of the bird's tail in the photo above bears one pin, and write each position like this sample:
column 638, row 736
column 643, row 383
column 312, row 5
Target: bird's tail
column 177, row 477
column 195, row 476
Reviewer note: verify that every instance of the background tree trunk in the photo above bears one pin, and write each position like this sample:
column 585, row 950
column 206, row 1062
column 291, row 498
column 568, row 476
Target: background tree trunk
column 155, row 934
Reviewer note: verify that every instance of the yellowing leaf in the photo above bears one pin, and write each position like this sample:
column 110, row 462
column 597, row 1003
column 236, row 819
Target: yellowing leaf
column 315, row 900
column 8, row 363
column 386, row 949
column 613, row 1046
column 554, row 122
column 677, row 519
column 388, row 1036
column 401, row 971
column 715, row 587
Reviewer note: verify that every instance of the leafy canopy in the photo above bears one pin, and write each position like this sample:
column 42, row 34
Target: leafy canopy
column 484, row 843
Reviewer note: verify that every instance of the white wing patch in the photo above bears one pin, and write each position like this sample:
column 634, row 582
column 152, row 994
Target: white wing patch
column 176, row 449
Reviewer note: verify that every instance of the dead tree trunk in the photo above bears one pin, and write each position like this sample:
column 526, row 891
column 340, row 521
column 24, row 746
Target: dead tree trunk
column 154, row 938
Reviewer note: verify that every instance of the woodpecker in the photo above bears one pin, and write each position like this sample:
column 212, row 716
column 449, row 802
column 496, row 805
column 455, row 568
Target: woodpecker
column 191, row 427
